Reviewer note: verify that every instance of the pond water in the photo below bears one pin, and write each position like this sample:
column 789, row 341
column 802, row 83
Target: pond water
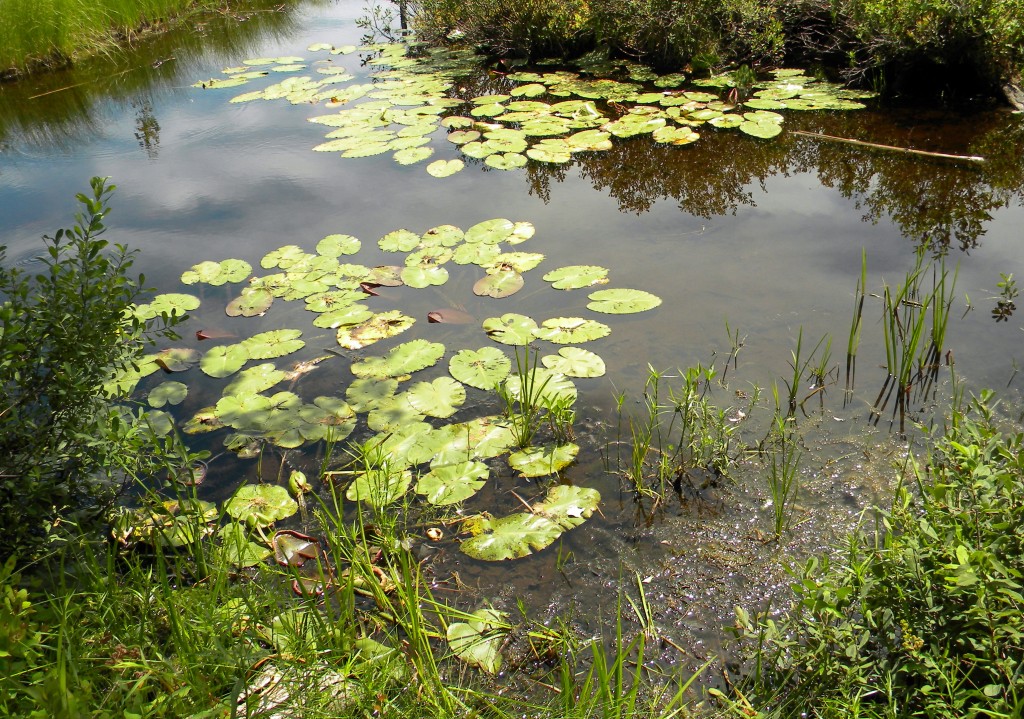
column 762, row 236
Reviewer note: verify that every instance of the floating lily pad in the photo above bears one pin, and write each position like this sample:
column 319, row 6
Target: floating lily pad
column 253, row 302
column 675, row 135
column 274, row 343
column 507, row 161
column 484, row 368
column 438, row 398
column 217, row 273
column 453, row 483
column 490, row 232
column 392, row 414
column 378, row 327
column 569, row 506
column 171, row 304
column 542, row 461
column 255, row 379
column 478, row 642
column 421, row 276
column 177, row 359
column 450, row 316
column 260, row 505
column 445, row 168
column 403, row 359
column 159, row 422
column 399, row 241
column 337, row 245
column 461, row 137
column 475, row 254
column 364, row 395
column 224, row 360
column 622, row 301
column 575, row 362
column 499, row 284
column 413, row 155
column 237, row 549
column 293, row 549
column 282, row 257
column 167, row 393
column 379, row 487
column 350, row 315
column 511, row 537
column 510, row 329
column 333, row 300
column 571, row 330
column 205, row 420
column 577, row 276
column 764, row 129
column 547, row 387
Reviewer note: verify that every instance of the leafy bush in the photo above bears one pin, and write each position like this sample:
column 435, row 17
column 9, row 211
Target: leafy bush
column 924, row 617
column 65, row 447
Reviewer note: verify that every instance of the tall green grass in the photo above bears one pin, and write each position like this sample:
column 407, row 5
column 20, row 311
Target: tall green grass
column 37, row 33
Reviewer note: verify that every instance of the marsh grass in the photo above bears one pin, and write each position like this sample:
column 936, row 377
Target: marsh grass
column 856, row 326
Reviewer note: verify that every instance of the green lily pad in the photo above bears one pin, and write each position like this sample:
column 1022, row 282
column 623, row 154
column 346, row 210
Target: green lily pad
column 254, row 380
column 675, row 135
column 552, row 153
column 499, row 284
column 350, row 315
column 261, row 505
column 167, row 393
column 337, row 245
column 452, row 483
column 669, row 81
column 333, row 300
column 569, row 506
column 570, row 330
column 490, row 232
column 510, row 329
column 379, row 327
column 379, row 487
column 507, row 161
column 439, row 398
column 445, row 168
column 475, row 254
column 456, row 122
column 520, row 262
column 764, row 129
column 547, row 387
column 159, row 422
column 392, row 414
column 461, row 137
column 171, row 304
column 542, row 461
column 402, row 360
column 478, row 642
column 421, row 276
column 274, row 343
column 622, row 301
column 217, row 273
column 225, row 360
column 399, row 241
column 386, row 276
column 576, row 277
column 364, row 395
column 205, row 420
column 484, row 368
column 511, row 537
column 177, row 359
column 253, row 302
column 413, row 155
column 283, row 257
column 575, row 362
column 521, row 232
column 237, row 549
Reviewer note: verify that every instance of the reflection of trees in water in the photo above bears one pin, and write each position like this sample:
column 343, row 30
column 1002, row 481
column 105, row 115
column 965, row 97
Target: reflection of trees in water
column 147, row 129
column 937, row 204
column 60, row 108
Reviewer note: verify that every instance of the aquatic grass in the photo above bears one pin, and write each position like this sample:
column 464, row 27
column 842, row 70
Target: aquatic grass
column 526, row 411
column 856, row 327
column 783, row 467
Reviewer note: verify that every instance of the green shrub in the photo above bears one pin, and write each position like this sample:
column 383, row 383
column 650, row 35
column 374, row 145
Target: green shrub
column 65, row 447
column 923, row 617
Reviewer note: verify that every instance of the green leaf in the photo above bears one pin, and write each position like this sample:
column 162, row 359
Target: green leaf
column 255, row 379
column 177, row 359
column 253, row 302
column 452, row 483
column 337, row 245
column 378, row 327
column 546, row 386
column 575, row 362
column 510, row 329
column 484, row 368
column 399, row 241
column 364, row 395
column 622, row 301
column 413, row 155
column 237, row 549
column 478, row 642
column 490, row 232
column 512, row 537
column 167, row 393
column 570, row 330
column 261, row 505
column 504, row 283
column 224, row 360
column 575, row 277
column 439, row 398
column 403, row 359
column 542, row 461
column 507, row 161
column 275, row 343
column 569, row 506
column 379, row 487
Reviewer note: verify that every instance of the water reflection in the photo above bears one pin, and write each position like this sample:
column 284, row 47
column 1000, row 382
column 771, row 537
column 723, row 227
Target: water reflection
column 56, row 110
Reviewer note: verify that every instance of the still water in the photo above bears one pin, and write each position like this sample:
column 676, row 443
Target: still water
column 765, row 236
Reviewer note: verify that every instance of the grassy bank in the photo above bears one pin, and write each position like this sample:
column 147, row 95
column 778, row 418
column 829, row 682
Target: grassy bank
column 55, row 33
column 976, row 46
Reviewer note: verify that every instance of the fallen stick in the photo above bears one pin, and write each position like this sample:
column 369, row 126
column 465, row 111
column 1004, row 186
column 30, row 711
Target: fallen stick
column 892, row 148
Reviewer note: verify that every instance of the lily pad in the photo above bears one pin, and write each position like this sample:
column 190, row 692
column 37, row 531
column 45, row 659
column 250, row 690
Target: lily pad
column 167, row 393
column 275, row 343
column 412, row 155
column 255, row 379
column 177, row 359
column 253, row 302
column 261, row 505
column 421, row 276
column 293, row 549
column 350, row 315
column 547, row 387
column 364, row 395
column 569, row 506
column 237, row 548
column 403, row 359
column 478, row 642
column 217, row 273
column 225, row 360
column 577, row 276
column 452, row 483
column 622, row 301
column 764, row 129
column 510, row 329
column 511, row 537
column 507, row 161
column 337, row 245
column 542, row 461
column 484, row 368
column 439, row 398
column 445, row 168
column 575, row 362
column 570, row 330
column 399, row 241
column 379, row 487
column 499, row 284
column 171, row 304
column 490, row 232
column 379, row 327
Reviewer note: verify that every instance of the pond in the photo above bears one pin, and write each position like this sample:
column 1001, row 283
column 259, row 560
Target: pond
column 753, row 246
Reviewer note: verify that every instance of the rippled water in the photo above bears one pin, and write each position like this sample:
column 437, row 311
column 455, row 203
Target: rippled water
column 766, row 236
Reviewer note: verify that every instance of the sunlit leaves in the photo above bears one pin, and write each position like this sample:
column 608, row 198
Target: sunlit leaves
column 622, row 301
column 452, row 483
column 401, row 360
column 575, row 362
column 571, row 330
column 577, row 276
column 510, row 329
column 542, row 461
column 484, row 368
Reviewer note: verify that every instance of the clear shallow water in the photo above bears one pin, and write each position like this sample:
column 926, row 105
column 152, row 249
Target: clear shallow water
column 765, row 235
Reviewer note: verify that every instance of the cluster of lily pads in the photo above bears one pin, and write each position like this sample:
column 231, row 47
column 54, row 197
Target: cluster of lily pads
column 413, row 447
column 546, row 117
